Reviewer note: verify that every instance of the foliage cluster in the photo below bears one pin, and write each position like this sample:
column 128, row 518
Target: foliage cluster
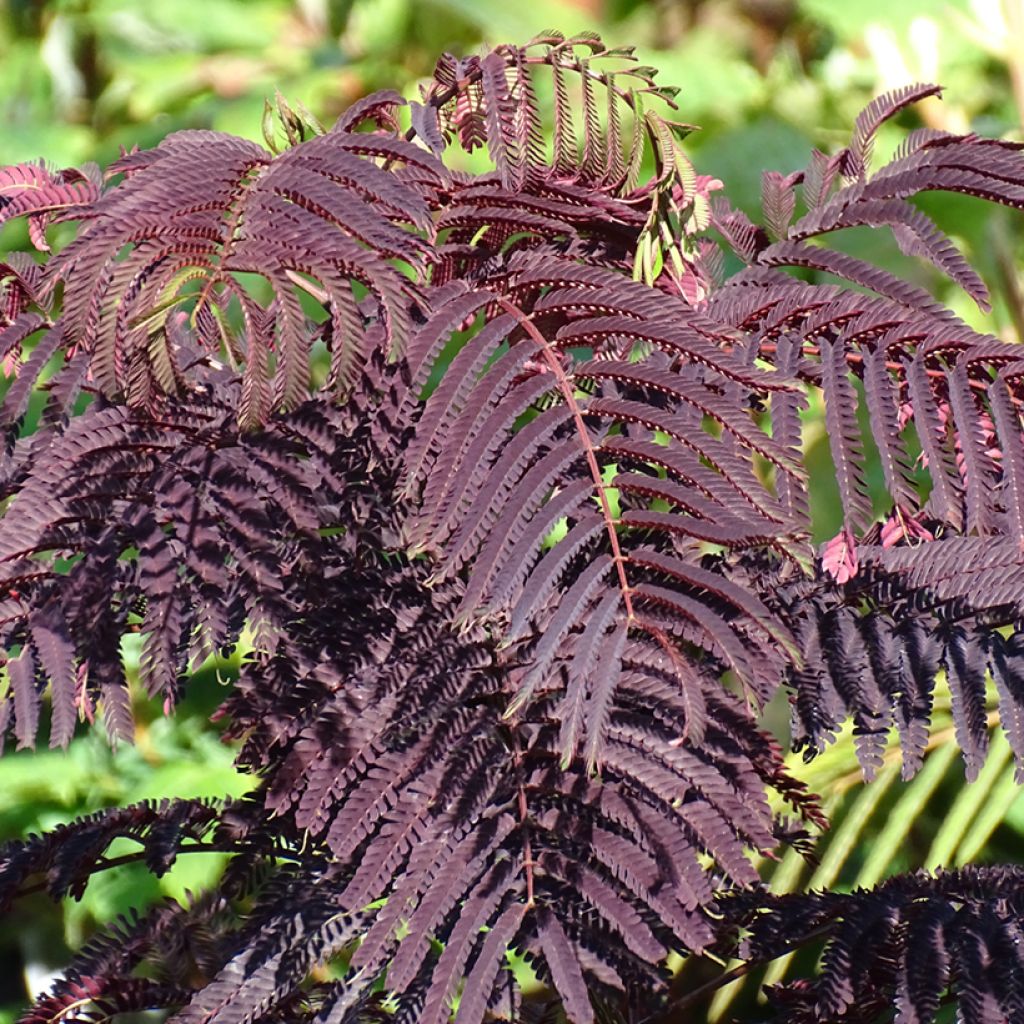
column 500, row 475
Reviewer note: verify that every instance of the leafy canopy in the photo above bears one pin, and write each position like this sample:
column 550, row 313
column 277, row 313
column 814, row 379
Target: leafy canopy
column 500, row 476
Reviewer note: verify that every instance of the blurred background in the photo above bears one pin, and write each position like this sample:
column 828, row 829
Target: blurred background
column 765, row 79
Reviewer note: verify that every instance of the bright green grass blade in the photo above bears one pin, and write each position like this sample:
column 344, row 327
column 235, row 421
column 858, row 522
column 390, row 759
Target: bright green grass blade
column 846, row 836
column 970, row 800
column 1003, row 796
column 903, row 815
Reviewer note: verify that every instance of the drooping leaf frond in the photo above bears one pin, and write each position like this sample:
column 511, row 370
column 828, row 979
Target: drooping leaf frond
column 43, row 196
column 67, row 856
column 201, row 209
column 914, row 944
column 164, row 530
column 492, row 100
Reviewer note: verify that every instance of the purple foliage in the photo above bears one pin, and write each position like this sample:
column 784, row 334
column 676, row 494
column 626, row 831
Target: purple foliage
column 522, row 569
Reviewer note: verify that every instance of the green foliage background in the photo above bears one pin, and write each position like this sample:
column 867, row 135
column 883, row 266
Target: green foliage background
column 766, row 80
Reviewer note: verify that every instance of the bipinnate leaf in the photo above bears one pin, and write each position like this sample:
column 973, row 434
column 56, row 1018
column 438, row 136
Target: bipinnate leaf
column 490, row 489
